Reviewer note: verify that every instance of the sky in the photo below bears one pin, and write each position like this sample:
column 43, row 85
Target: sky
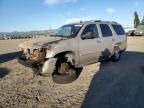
column 30, row 15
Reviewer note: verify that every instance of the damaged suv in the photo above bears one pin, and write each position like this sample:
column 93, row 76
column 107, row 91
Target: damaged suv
column 74, row 46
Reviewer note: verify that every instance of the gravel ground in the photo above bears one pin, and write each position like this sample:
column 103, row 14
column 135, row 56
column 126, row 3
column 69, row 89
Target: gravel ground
column 100, row 85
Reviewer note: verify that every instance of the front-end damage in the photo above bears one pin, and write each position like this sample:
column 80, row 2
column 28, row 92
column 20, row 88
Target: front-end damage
column 35, row 58
column 48, row 59
column 48, row 67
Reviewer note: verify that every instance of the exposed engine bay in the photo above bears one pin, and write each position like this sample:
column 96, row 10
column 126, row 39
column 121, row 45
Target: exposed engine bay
column 34, row 58
column 37, row 56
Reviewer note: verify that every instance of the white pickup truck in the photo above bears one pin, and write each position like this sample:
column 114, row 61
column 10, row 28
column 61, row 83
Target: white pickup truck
column 72, row 46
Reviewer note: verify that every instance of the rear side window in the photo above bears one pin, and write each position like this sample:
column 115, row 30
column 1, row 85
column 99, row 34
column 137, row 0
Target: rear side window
column 118, row 29
column 105, row 29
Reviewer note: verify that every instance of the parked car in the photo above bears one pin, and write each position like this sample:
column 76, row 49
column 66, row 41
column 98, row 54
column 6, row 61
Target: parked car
column 139, row 30
column 73, row 46
column 131, row 33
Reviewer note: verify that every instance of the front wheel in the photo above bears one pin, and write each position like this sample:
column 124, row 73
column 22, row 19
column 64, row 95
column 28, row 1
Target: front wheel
column 64, row 72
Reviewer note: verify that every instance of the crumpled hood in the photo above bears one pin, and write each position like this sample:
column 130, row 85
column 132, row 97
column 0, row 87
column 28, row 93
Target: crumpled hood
column 38, row 42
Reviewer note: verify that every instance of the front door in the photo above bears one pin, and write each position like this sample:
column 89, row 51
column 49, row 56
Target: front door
column 89, row 45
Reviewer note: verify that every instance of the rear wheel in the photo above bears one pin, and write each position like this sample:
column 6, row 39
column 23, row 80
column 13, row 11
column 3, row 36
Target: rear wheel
column 116, row 55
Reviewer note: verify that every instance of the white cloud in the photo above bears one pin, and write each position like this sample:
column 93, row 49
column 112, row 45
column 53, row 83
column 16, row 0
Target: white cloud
column 110, row 10
column 55, row 2
column 78, row 19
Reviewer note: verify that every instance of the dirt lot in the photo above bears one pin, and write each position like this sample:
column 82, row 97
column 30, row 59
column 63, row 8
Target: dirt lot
column 101, row 85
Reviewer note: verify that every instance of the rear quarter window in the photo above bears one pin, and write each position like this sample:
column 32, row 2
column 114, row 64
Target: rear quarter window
column 118, row 29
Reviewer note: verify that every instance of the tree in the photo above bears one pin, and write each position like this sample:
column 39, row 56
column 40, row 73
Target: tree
column 136, row 20
column 143, row 20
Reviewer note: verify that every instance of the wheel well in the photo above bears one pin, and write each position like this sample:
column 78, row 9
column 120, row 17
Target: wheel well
column 116, row 47
column 68, row 54
column 61, row 54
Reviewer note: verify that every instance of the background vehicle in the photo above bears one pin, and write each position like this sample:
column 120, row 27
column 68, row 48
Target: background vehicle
column 130, row 31
column 139, row 30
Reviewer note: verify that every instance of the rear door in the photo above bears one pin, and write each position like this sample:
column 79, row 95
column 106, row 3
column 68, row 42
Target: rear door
column 121, row 38
column 107, row 39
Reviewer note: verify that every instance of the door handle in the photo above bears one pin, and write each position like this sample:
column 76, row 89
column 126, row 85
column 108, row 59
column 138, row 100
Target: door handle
column 113, row 39
column 98, row 41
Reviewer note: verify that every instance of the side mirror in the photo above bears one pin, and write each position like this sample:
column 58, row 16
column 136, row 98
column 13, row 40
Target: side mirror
column 87, row 35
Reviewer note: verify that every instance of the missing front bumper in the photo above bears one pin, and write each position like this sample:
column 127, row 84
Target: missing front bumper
column 27, row 63
column 46, row 69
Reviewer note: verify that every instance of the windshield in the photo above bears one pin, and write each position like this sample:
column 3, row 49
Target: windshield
column 67, row 30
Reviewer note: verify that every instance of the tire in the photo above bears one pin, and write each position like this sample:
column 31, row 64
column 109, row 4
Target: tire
column 116, row 56
column 64, row 78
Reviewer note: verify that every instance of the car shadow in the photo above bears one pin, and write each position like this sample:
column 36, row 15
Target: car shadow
column 119, row 84
column 3, row 72
column 8, row 56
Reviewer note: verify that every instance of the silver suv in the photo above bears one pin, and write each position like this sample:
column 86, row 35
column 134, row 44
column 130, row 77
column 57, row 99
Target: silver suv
column 73, row 46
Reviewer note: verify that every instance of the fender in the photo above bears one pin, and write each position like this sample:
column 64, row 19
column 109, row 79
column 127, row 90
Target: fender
column 68, row 53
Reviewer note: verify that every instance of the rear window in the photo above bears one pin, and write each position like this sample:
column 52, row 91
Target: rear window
column 118, row 29
column 105, row 29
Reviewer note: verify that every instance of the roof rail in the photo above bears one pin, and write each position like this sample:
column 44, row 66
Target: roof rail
column 94, row 21
column 91, row 21
column 99, row 21
column 114, row 22
column 111, row 22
